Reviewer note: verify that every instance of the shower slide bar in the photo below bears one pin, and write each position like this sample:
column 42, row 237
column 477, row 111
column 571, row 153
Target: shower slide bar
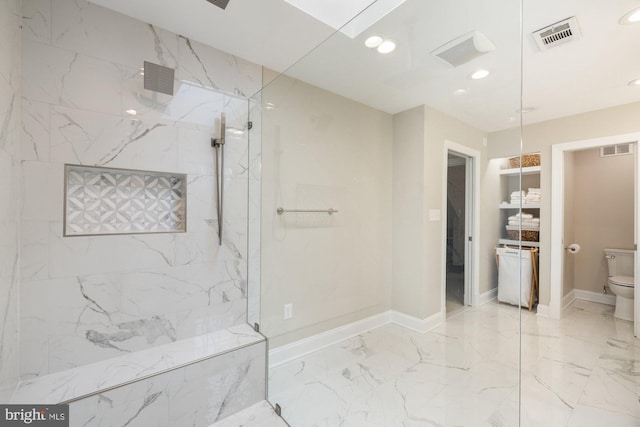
column 218, row 161
column 330, row 211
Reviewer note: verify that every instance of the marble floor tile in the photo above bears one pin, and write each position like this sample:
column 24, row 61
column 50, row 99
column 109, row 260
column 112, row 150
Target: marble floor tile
column 582, row 370
column 259, row 415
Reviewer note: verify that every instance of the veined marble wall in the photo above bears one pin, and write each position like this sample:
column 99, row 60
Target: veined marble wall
column 90, row 298
column 9, row 194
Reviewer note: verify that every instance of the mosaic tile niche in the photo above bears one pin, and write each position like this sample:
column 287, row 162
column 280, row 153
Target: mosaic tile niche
column 104, row 201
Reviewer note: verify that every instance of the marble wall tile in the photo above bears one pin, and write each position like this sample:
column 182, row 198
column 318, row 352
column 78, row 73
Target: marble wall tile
column 34, row 350
column 262, row 413
column 195, row 395
column 65, row 77
column 195, row 151
column 10, row 77
column 34, row 256
column 81, row 27
column 43, row 189
column 106, row 410
column 215, row 69
column 219, row 387
column 213, row 317
column 34, row 144
column 36, row 20
column 88, row 138
column 82, row 73
column 74, row 256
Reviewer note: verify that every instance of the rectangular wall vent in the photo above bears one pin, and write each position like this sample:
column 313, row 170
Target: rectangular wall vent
column 616, row 150
column 556, row 34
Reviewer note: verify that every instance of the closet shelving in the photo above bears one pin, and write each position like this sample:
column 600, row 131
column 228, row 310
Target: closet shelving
column 510, row 182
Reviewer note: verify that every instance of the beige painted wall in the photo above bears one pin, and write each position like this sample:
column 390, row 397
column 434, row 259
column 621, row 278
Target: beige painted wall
column 409, row 293
column 539, row 137
column 321, row 150
column 568, row 279
column 417, row 240
column 603, row 215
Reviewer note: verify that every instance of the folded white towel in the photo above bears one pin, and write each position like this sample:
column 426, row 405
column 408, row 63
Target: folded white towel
column 512, row 219
column 534, row 190
column 527, row 224
column 523, row 215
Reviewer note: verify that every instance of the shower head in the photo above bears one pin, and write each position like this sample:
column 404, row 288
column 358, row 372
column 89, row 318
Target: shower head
column 158, row 78
column 222, row 4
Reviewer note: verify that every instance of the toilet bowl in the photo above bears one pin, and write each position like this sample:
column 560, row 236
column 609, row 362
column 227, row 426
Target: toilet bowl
column 623, row 288
column 621, row 281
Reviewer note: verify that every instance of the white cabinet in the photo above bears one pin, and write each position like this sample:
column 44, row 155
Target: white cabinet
column 510, row 182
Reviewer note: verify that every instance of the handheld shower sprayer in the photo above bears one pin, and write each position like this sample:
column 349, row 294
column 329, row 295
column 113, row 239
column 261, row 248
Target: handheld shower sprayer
column 218, row 160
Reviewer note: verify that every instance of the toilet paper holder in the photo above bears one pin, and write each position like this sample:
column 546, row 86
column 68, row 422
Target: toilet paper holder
column 573, row 248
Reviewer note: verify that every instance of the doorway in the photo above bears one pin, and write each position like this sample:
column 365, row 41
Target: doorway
column 460, row 248
column 561, row 231
column 456, row 232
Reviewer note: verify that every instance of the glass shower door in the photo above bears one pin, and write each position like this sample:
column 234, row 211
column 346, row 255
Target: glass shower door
column 353, row 158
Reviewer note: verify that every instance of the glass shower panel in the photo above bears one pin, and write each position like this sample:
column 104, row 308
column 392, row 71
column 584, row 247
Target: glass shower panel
column 580, row 366
column 353, row 171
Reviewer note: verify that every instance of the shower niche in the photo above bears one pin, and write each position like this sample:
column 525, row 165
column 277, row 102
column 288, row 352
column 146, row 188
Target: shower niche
column 106, row 201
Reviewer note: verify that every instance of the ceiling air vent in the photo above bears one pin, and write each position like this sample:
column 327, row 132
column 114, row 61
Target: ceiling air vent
column 616, row 150
column 557, row 34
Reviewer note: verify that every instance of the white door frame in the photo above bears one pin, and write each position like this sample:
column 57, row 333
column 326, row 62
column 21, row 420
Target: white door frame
column 472, row 224
column 557, row 216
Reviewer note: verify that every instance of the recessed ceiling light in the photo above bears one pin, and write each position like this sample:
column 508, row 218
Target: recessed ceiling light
column 269, row 105
column 373, row 41
column 460, row 91
column 635, row 82
column 525, row 110
column 132, row 112
column 387, row 46
column 479, row 74
column 631, row 17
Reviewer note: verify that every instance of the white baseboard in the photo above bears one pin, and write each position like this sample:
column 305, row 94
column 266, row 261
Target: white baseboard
column 416, row 324
column 288, row 352
column 486, row 297
column 544, row 310
column 299, row 348
column 568, row 299
column 595, row 297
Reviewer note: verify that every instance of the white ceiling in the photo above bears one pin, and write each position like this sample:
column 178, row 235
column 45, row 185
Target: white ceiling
column 588, row 74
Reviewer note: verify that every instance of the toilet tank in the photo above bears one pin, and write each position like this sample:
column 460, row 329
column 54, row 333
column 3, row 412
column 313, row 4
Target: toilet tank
column 620, row 262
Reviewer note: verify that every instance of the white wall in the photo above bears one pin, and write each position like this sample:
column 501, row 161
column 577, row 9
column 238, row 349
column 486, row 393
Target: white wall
column 10, row 75
column 320, row 150
column 539, row 137
column 89, row 298
column 603, row 213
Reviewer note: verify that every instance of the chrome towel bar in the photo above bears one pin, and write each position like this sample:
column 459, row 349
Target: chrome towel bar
column 330, row 211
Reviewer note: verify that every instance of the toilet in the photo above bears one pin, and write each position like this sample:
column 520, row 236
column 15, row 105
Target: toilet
column 621, row 280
